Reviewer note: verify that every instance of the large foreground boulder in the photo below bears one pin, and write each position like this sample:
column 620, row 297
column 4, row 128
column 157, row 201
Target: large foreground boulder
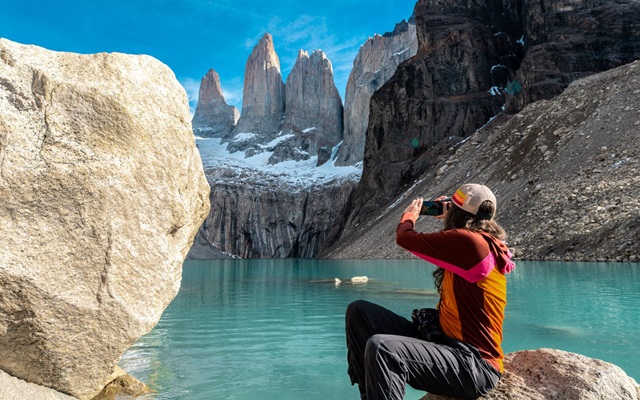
column 548, row 374
column 102, row 192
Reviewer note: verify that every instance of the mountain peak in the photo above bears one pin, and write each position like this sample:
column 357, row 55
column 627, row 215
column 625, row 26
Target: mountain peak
column 213, row 116
column 263, row 96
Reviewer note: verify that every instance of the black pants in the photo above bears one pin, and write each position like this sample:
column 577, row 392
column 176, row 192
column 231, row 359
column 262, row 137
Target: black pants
column 384, row 355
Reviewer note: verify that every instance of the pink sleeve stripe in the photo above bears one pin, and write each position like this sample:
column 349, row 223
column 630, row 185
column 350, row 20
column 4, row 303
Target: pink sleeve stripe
column 510, row 264
column 475, row 274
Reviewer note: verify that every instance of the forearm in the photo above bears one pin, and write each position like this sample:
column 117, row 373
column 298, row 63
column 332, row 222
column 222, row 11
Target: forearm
column 406, row 235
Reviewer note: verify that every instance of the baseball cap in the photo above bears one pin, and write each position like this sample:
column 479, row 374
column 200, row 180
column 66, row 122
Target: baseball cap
column 469, row 197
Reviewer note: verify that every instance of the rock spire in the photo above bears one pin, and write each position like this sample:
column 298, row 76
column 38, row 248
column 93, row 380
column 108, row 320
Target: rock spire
column 263, row 98
column 213, row 116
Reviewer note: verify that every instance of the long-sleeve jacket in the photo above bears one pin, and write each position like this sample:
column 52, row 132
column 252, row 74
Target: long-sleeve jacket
column 474, row 287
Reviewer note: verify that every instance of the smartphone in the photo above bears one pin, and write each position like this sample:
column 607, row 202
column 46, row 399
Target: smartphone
column 432, row 207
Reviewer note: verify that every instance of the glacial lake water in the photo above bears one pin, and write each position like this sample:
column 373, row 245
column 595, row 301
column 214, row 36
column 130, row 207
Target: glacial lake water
column 274, row 329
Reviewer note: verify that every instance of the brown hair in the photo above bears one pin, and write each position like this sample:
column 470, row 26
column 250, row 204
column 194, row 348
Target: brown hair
column 457, row 218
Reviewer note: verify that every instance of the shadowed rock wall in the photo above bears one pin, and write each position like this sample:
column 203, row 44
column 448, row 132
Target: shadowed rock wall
column 476, row 58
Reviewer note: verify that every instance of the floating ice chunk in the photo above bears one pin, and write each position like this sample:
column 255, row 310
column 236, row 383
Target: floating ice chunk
column 359, row 279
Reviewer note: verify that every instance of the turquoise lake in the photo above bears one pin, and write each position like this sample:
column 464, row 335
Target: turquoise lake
column 274, row 329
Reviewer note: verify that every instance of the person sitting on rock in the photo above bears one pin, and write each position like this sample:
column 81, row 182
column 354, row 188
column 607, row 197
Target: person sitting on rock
column 456, row 349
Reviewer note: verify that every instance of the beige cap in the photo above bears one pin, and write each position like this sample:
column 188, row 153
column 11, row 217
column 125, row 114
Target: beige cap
column 469, row 197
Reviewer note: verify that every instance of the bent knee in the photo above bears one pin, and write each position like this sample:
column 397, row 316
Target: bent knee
column 355, row 308
column 375, row 343
column 357, row 305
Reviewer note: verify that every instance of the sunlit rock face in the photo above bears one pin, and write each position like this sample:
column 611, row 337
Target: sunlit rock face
column 549, row 374
column 263, row 100
column 102, row 192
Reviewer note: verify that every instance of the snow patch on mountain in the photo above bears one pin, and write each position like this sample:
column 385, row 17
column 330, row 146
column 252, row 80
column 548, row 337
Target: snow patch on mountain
column 305, row 173
column 276, row 141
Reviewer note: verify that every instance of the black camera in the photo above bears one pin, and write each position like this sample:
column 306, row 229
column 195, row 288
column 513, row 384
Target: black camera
column 432, row 207
column 426, row 322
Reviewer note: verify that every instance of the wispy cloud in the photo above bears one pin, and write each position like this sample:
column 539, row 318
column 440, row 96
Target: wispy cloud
column 232, row 90
column 192, row 87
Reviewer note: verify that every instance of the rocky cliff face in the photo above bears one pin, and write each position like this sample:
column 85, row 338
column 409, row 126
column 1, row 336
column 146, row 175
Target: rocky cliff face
column 565, row 40
column 257, row 215
column 375, row 63
column 468, row 62
column 102, row 192
column 563, row 171
column 252, row 219
column 213, row 116
column 263, row 100
column 313, row 110
column 548, row 374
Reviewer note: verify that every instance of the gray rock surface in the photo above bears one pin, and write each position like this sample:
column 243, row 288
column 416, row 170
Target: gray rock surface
column 375, row 63
column 12, row 388
column 102, row 192
column 213, row 116
column 202, row 249
column 564, row 172
column 263, row 99
column 549, row 374
column 313, row 110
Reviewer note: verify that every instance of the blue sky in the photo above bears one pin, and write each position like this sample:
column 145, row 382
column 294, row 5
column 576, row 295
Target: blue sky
column 192, row 36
